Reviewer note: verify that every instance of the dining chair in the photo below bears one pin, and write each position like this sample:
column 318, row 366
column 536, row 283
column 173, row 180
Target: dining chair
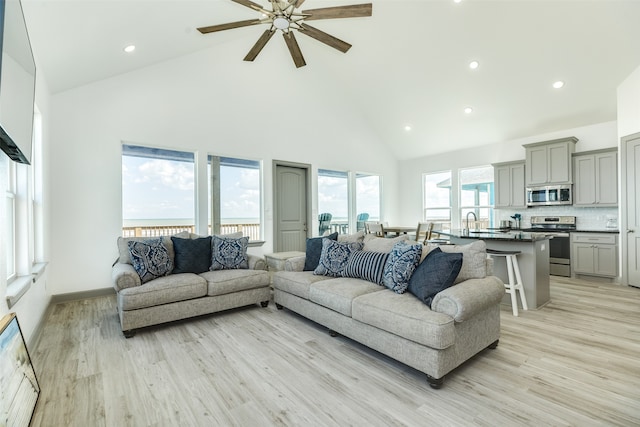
column 424, row 232
column 376, row 228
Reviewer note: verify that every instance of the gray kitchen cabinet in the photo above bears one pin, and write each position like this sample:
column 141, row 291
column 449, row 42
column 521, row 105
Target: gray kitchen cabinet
column 594, row 254
column 509, row 184
column 595, row 178
column 549, row 162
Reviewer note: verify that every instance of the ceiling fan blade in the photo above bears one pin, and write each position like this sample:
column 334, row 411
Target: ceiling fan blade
column 228, row 26
column 351, row 11
column 325, row 38
column 298, row 3
column 250, row 4
column 257, row 48
column 294, row 49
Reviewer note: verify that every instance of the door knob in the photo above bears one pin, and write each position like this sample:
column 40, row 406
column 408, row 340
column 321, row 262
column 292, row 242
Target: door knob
column 631, row 231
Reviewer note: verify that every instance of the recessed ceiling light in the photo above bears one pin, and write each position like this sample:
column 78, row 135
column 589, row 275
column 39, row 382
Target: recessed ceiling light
column 558, row 84
column 474, row 64
column 130, row 48
column 407, row 128
column 468, row 110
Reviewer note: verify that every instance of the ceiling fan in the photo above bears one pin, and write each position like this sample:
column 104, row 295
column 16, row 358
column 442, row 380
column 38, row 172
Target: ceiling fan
column 285, row 18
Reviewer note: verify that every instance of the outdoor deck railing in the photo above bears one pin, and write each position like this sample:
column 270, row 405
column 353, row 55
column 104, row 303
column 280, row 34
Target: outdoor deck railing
column 251, row 230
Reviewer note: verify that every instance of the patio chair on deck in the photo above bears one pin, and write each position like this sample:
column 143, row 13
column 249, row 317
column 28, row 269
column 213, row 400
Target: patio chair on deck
column 324, row 222
column 360, row 220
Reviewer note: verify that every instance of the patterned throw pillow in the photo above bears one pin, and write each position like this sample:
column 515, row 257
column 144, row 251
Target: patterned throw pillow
column 334, row 257
column 191, row 255
column 228, row 253
column 366, row 265
column 436, row 273
column 314, row 250
column 400, row 265
column 150, row 259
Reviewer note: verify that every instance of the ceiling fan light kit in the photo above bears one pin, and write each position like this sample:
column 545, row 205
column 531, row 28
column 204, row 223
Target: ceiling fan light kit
column 284, row 17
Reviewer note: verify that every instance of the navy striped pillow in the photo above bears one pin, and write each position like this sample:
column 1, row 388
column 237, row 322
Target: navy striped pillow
column 366, row 265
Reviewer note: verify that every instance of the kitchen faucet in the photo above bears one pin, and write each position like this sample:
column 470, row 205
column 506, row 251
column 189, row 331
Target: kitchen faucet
column 475, row 219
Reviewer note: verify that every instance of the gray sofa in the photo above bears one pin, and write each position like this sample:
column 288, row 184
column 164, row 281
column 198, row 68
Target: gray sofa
column 184, row 295
column 463, row 321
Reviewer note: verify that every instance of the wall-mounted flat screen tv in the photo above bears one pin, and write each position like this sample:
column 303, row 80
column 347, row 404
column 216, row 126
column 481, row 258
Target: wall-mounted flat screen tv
column 17, row 83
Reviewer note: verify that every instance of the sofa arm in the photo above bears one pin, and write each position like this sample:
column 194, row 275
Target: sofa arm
column 295, row 263
column 466, row 299
column 256, row 262
column 124, row 276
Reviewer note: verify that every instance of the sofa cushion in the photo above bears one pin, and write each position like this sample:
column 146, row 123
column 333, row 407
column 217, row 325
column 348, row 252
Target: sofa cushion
column 338, row 294
column 334, row 257
column 373, row 243
column 366, row 265
column 314, row 250
column 355, row 237
column 191, row 255
column 296, row 282
column 229, row 253
column 164, row 290
column 228, row 281
column 405, row 316
column 401, row 264
column 150, row 259
column 123, row 246
column 474, row 265
column 436, row 273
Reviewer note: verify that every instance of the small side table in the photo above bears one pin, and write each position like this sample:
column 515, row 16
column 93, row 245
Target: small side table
column 275, row 261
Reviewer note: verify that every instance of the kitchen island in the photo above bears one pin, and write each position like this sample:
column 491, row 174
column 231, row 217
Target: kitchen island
column 533, row 261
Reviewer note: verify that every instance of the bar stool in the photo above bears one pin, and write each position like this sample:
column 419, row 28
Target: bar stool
column 512, row 286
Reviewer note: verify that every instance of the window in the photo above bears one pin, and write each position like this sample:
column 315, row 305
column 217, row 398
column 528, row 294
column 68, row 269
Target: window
column 368, row 198
column 333, row 199
column 158, row 191
column 437, row 198
column 235, row 196
column 11, row 220
column 476, row 196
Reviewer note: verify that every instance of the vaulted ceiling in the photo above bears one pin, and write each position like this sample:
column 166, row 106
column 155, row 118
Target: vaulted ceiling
column 408, row 67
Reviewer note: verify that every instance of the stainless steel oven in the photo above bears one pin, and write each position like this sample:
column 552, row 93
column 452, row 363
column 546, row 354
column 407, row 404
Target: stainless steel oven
column 557, row 228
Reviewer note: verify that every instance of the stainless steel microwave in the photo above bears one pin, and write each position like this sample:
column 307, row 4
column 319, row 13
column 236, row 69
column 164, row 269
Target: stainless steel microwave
column 549, row 195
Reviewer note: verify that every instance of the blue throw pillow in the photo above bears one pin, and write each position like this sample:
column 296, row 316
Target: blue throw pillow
column 191, row 255
column 314, row 250
column 403, row 260
column 334, row 257
column 366, row 265
column 150, row 259
column 436, row 273
column 228, row 253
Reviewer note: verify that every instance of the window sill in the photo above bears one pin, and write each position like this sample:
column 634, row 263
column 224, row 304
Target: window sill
column 21, row 284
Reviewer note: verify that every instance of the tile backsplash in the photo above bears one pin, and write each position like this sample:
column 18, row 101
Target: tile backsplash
column 586, row 218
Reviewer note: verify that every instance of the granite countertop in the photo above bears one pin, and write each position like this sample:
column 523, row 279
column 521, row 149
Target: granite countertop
column 505, row 236
column 607, row 230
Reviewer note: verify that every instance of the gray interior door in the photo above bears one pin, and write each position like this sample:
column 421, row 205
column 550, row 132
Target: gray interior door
column 631, row 145
column 290, row 209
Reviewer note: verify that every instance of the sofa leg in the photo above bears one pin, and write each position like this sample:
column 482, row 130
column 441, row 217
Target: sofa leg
column 435, row 382
column 264, row 303
column 279, row 307
column 493, row 345
column 333, row 333
column 129, row 334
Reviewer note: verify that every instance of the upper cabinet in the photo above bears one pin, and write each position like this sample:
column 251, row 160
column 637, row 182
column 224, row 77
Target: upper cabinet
column 549, row 162
column 509, row 185
column 595, row 177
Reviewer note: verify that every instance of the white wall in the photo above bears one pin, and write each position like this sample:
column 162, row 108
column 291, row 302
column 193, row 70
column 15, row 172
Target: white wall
column 591, row 137
column 629, row 105
column 191, row 103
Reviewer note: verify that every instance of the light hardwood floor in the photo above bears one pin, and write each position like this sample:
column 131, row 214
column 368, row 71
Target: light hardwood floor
column 574, row 362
